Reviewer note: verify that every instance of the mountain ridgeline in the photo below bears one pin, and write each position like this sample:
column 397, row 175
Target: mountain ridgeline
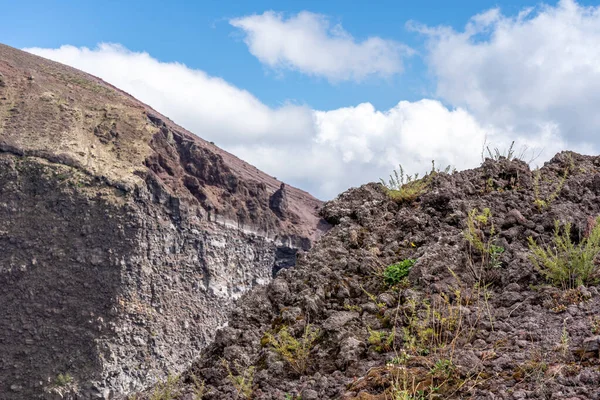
column 124, row 239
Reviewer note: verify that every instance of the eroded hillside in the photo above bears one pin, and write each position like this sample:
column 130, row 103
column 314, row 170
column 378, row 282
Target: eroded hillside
column 123, row 237
column 428, row 296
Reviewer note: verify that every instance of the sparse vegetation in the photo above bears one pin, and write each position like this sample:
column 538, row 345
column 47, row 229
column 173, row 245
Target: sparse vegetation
column 466, row 325
column 403, row 388
column 595, row 324
column 403, row 187
column 432, row 325
column 497, row 154
column 63, row 380
column 166, row 390
column 483, row 254
column 564, row 263
column 199, row 387
column 443, row 367
column 381, row 340
column 349, row 307
column 243, row 383
column 544, row 202
column 419, row 381
column 533, row 369
column 563, row 346
column 373, row 298
column 295, row 351
column 401, row 358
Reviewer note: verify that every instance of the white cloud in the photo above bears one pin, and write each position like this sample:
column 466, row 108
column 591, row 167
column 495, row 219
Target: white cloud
column 308, row 43
column 213, row 108
column 324, row 152
column 533, row 78
column 538, row 69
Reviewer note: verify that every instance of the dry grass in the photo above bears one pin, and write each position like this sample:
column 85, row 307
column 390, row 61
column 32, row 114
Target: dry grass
column 403, row 187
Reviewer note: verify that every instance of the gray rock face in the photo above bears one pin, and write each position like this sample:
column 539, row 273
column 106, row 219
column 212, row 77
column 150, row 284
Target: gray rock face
column 278, row 202
column 107, row 286
column 338, row 320
column 124, row 238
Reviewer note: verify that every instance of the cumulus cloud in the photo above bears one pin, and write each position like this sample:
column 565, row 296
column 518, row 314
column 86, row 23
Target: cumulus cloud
column 308, row 43
column 213, row 108
column 322, row 151
column 538, row 70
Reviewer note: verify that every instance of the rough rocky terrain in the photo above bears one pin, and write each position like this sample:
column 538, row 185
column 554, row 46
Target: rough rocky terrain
column 123, row 238
column 460, row 326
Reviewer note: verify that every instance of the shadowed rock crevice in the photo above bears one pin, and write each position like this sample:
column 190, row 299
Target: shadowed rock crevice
column 285, row 257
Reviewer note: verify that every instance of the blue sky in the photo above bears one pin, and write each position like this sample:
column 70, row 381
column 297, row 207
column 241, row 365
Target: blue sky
column 197, row 33
column 477, row 80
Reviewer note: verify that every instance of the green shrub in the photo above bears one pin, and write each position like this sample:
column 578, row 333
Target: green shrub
column 244, row 382
column 564, row 263
column 396, row 272
column 543, row 203
column 63, row 380
column 482, row 244
column 295, row 351
column 382, row 340
column 167, row 390
column 199, row 387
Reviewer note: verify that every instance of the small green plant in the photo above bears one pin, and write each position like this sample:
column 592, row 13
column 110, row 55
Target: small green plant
column 564, row 263
column 482, row 244
column 489, row 185
column 373, row 298
column 349, row 307
column 199, row 387
column 543, row 203
column 487, row 295
column 564, row 339
column 381, row 340
column 403, row 385
column 295, row 351
column 394, row 274
column 404, row 188
column 244, row 382
column 403, row 394
column 63, row 380
column 442, row 368
column 167, row 390
column 433, row 325
column 496, row 154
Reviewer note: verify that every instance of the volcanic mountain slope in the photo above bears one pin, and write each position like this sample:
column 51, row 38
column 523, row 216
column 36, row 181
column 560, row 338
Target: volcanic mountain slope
column 469, row 320
column 123, row 237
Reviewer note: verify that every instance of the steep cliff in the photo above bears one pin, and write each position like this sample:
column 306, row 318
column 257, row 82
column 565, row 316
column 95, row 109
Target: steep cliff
column 123, row 238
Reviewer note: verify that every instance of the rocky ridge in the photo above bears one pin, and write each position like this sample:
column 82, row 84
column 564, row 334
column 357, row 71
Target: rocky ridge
column 124, row 238
column 459, row 326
